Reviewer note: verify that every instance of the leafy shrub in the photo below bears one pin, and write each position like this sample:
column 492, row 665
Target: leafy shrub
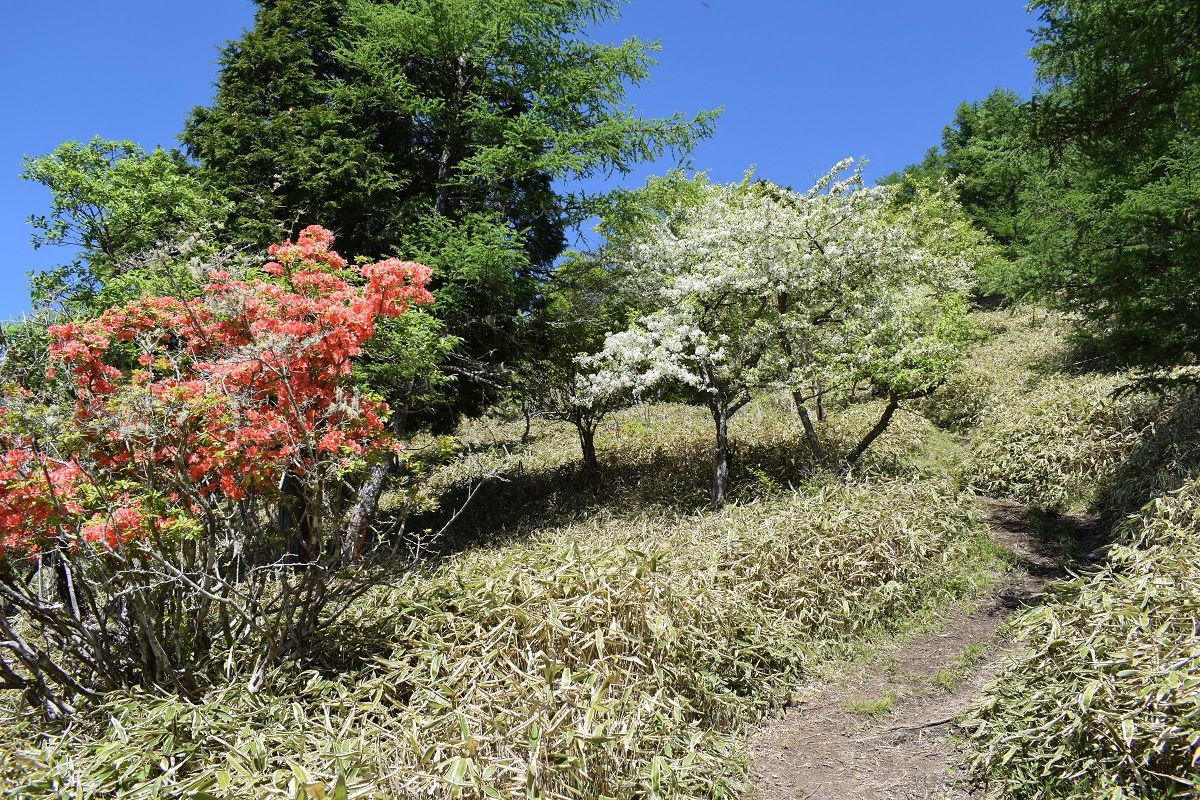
column 614, row 656
column 179, row 491
column 1105, row 703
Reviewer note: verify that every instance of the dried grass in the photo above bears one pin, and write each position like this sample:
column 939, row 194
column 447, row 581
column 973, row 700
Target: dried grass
column 605, row 648
column 1051, row 427
column 1105, row 701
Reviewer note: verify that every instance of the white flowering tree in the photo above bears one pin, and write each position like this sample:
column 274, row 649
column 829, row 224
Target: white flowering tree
column 589, row 295
column 764, row 288
column 577, row 311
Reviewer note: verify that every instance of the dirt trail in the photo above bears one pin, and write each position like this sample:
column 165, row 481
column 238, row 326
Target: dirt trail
column 886, row 731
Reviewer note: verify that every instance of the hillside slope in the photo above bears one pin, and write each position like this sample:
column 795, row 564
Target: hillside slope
column 565, row 640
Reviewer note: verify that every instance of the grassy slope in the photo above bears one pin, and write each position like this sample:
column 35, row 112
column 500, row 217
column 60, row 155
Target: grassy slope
column 1048, row 425
column 573, row 643
column 1103, row 700
column 613, row 642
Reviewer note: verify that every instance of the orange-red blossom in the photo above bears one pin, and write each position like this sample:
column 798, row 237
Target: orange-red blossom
column 230, row 389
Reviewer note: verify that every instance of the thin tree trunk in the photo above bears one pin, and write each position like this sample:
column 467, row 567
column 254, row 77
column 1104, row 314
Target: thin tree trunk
column 359, row 520
column 442, row 200
column 65, row 584
column 587, row 444
column 363, row 512
column 528, row 412
column 291, row 520
column 721, row 459
column 872, row 435
column 810, row 432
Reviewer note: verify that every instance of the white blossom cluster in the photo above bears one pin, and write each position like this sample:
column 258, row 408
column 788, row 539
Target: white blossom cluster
column 760, row 287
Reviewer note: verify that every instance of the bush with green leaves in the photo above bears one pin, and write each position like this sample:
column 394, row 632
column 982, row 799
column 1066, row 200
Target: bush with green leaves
column 761, row 288
column 1104, row 702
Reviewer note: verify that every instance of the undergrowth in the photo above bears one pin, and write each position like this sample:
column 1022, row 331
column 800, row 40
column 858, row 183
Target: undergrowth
column 571, row 642
column 612, row 657
column 1058, row 429
column 611, row 639
column 1105, row 700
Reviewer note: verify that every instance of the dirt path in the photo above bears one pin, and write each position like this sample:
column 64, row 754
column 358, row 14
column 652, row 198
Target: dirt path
column 886, row 731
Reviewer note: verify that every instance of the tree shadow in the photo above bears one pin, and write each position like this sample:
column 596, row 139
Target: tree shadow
column 520, row 502
column 1046, row 545
column 1162, row 462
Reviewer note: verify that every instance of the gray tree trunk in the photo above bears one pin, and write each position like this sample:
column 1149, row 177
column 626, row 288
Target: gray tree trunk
column 721, row 459
column 872, row 435
column 810, row 432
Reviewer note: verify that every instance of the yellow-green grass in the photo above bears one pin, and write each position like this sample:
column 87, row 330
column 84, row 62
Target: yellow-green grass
column 1104, row 702
column 1056, row 428
column 588, row 646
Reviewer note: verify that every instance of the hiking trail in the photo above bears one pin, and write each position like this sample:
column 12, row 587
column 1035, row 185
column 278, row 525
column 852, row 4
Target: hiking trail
column 885, row 729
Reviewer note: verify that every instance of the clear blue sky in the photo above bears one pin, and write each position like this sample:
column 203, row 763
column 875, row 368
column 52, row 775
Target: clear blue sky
column 803, row 82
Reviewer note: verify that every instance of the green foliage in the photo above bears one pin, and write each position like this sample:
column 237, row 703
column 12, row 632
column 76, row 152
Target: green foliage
column 1102, row 703
column 447, row 129
column 988, row 154
column 1120, row 111
column 986, row 148
column 1162, row 461
column 632, row 215
column 872, row 706
column 1091, row 187
column 115, row 204
column 1042, row 428
column 406, row 356
column 1058, row 443
column 275, row 144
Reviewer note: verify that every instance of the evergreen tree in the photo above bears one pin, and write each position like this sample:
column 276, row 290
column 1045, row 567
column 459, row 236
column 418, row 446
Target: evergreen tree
column 1120, row 242
column 988, row 152
column 444, row 129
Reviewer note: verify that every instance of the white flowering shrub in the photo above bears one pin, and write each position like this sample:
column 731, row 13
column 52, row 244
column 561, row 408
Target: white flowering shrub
column 760, row 287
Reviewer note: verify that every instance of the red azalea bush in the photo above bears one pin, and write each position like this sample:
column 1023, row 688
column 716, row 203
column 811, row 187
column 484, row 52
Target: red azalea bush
column 193, row 494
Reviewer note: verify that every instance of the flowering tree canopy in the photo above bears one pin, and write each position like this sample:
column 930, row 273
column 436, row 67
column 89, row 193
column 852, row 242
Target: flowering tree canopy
column 192, row 421
column 224, row 393
column 762, row 287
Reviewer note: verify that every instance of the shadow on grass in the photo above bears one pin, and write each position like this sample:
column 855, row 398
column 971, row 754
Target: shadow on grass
column 1047, row 545
column 510, row 508
column 520, row 502
column 1161, row 462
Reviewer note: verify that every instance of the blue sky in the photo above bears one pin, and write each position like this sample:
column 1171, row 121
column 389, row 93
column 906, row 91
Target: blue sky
column 803, row 83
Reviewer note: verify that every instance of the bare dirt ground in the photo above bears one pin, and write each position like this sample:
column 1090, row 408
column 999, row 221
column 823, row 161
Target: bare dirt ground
column 886, row 729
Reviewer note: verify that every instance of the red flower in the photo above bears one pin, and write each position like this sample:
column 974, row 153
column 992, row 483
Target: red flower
column 236, row 387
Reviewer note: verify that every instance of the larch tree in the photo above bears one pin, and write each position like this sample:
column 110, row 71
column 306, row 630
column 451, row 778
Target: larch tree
column 445, row 129
column 450, row 130
column 1120, row 108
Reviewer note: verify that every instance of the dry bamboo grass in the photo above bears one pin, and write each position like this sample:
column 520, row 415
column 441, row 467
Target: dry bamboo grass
column 584, row 644
column 1105, row 702
column 615, row 655
column 1047, row 425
